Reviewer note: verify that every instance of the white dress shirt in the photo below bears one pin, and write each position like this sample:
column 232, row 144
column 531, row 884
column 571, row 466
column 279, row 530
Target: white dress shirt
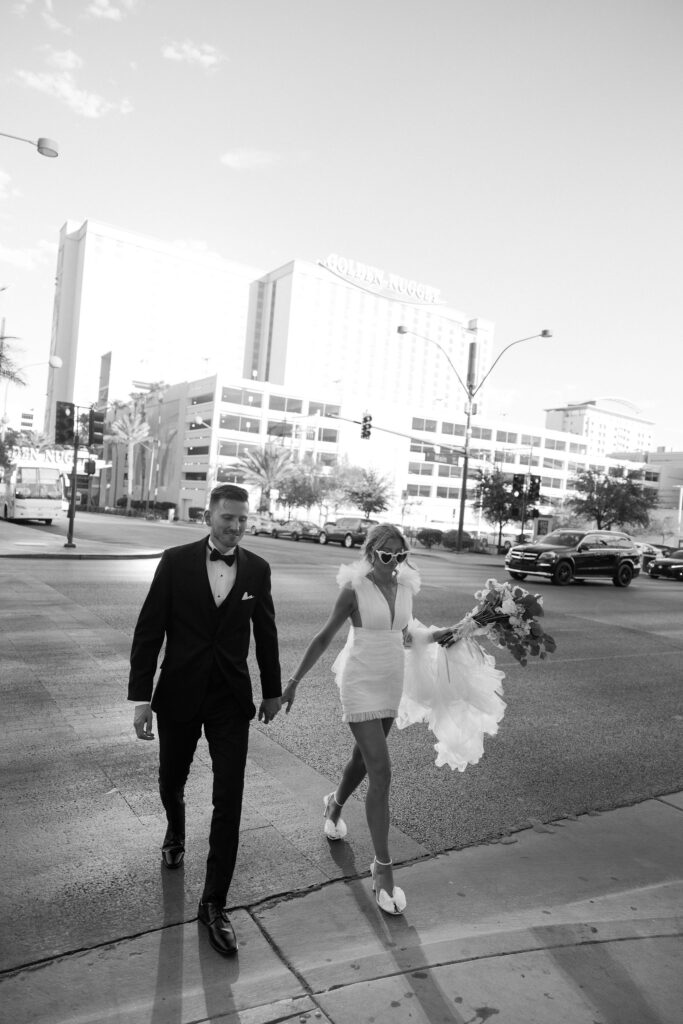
column 221, row 576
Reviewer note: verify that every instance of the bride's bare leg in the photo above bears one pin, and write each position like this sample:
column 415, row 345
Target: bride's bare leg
column 371, row 740
column 352, row 776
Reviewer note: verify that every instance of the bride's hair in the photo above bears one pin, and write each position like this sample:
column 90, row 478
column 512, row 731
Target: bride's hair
column 378, row 535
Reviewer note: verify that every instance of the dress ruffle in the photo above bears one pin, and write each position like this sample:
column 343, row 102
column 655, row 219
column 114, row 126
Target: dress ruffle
column 350, row 572
column 456, row 692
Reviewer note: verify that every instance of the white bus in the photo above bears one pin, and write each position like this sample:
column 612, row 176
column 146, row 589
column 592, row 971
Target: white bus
column 34, row 489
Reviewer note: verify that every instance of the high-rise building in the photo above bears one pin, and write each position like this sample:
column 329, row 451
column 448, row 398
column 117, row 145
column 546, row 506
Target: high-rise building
column 129, row 308
column 332, row 326
column 608, row 424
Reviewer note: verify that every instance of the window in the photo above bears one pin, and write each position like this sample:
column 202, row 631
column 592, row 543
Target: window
column 197, row 449
column 194, row 476
column 448, row 492
column 428, row 426
column 205, row 422
column 448, row 428
column 328, row 435
column 553, row 464
column 449, row 471
column 201, row 399
column 280, row 428
column 482, row 433
column 284, row 404
column 324, row 410
column 240, row 396
column 577, row 449
column 421, row 468
column 532, row 440
column 507, row 438
column 227, row 475
column 558, row 446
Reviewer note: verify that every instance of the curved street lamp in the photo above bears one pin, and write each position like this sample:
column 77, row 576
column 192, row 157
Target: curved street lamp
column 471, row 388
column 46, row 147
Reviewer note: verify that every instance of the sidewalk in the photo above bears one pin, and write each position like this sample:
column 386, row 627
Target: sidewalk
column 17, row 542
column 577, row 922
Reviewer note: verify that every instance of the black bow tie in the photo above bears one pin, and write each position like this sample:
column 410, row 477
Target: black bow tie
column 216, row 556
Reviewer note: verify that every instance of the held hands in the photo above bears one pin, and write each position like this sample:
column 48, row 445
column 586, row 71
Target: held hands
column 269, row 709
column 143, row 720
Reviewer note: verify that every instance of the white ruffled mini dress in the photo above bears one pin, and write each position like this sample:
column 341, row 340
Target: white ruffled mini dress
column 456, row 691
column 370, row 668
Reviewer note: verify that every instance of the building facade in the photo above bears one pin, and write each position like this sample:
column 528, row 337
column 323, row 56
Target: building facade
column 607, row 424
column 133, row 309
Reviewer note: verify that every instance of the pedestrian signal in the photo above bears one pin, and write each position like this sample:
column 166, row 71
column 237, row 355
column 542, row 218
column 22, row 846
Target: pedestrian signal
column 64, row 423
column 366, row 426
column 95, row 427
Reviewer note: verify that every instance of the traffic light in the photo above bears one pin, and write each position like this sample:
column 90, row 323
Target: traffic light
column 366, row 426
column 64, row 423
column 95, row 427
column 534, row 488
column 518, row 485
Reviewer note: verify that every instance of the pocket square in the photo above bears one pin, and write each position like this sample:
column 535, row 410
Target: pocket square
column 247, row 597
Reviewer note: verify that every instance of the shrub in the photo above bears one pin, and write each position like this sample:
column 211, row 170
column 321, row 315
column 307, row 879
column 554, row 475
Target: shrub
column 428, row 538
column 450, row 540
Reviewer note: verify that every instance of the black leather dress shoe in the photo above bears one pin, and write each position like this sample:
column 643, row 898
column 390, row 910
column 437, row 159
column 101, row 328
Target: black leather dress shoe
column 173, row 851
column 221, row 934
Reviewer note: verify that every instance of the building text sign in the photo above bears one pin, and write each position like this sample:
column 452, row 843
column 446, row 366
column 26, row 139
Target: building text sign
column 373, row 277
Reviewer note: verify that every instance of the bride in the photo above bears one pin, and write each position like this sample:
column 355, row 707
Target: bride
column 386, row 650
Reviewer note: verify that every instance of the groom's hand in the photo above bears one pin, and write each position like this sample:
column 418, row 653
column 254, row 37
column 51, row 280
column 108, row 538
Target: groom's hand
column 143, row 720
column 269, row 708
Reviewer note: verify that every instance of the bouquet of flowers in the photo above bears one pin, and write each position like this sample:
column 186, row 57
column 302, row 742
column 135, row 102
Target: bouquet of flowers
column 508, row 616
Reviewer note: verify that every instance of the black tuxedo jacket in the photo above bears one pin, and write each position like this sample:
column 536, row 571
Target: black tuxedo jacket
column 204, row 643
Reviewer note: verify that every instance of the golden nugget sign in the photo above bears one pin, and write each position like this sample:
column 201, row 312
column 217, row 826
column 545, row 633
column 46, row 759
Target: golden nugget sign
column 373, row 277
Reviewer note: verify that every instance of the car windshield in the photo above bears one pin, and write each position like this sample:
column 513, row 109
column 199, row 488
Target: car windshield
column 560, row 539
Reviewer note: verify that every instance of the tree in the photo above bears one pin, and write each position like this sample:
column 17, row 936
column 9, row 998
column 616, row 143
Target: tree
column 9, row 371
column 300, row 489
column 268, row 468
column 129, row 429
column 370, row 492
column 613, row 501
column 494, row 500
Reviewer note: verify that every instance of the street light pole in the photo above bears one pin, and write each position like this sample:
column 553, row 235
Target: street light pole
column 471, row 389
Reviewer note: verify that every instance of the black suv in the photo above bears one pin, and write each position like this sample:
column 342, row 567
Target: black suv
column 347, row 531
column 567, row 555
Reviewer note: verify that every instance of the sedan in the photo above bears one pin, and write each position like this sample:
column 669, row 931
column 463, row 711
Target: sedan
column 648, row 553
column 297, row 529
column 670, row 567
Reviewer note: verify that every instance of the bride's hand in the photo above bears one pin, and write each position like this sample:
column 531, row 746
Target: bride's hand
column 288, row 694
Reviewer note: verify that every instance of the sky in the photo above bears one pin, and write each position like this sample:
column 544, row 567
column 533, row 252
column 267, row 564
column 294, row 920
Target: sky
column 523, row 156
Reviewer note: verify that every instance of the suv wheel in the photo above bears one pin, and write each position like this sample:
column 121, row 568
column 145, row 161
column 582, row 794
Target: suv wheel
column 563, row 574
column 274, row 534
column 322, row 539
column 517, row 575
column 623, row 575
column 348, row 541
column 296, row 536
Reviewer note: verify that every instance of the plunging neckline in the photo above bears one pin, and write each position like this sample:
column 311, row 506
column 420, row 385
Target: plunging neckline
column 390, row 606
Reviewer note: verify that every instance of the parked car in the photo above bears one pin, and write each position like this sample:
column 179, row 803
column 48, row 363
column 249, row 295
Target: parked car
column 297, row 529
column 647, row 553
column 257, row 522
column 566, row 555
column 348, row 530
column 670, row 566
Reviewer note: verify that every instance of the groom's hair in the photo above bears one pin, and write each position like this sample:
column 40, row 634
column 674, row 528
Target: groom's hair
column 227, row 492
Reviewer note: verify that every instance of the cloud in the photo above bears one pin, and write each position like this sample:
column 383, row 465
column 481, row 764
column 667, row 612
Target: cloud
column 7, row 189
column 61, row 85
column 29, row 258
column 20, row 9
column 192, row 53
column 243, row 159
column 64, row 60
column 108, row 11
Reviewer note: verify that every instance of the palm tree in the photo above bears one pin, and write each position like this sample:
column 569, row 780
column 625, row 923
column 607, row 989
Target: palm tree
column 267, row 468
column 129, row 429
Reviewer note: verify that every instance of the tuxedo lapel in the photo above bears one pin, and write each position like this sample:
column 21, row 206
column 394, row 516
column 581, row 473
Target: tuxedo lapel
column 199, row 584
column 239, row 586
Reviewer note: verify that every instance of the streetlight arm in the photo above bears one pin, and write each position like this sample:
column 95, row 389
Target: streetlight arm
column 46, row 147
column 543, row 334
column 404, row 330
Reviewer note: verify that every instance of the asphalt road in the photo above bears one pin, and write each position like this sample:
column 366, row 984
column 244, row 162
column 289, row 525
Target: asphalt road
column 598, row 725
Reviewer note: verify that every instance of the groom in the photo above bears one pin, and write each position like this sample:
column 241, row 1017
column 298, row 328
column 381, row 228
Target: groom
column 204, row 599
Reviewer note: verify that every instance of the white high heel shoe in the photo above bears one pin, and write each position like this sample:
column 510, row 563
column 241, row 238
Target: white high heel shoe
column 394, row 904
column 333, row 830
